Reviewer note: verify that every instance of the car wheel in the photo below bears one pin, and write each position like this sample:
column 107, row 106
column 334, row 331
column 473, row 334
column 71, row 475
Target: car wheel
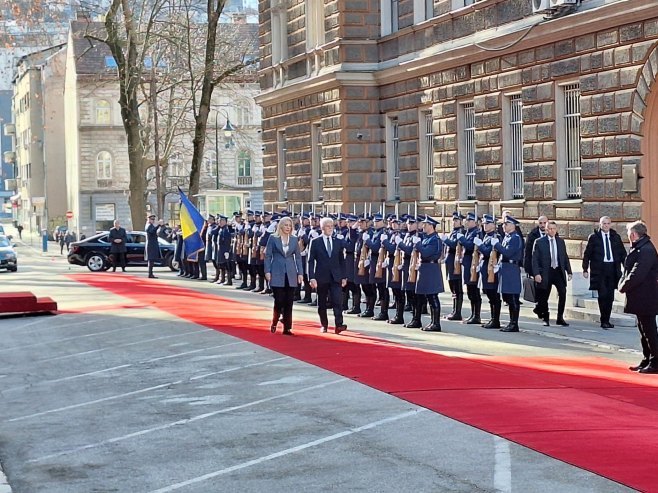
column 171, row 263
column 95, row 262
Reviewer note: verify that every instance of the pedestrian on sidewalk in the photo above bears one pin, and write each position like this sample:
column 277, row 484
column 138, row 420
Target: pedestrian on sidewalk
column 62, row 242
column 284, row 271
column 20, row 231
column 640, row 284
column 604, row 255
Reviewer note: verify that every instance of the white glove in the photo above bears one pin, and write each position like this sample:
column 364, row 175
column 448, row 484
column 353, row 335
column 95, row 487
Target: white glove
column 400, row 267
column 240, row 227
column 366, row 236
column 383, row 237
column 443, row 236
column 314, row 234
column 385, row 262
column 339, row 236
column 416, row 240
column 477, row 241
column 496, row 268
column 271, row 228
column 226, row 255
column 366, row 263
column 459, row 235
column 494, row 241
column 398, row 240
column 262, row 228
column 254, row 228
column 303, row 254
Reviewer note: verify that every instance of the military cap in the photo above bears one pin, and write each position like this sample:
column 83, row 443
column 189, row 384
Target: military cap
column 221, row 216
column 512, row 220
column 237, row 214
column 430, row 220
column 471, row 216
column 488, row 219
column 258, row 213
column 210, row 216
column 377, row 217
column 352, row 217
column 457, row 215
column 250, row 212
column 410, row 219
column 276, row 217
column 152, row 216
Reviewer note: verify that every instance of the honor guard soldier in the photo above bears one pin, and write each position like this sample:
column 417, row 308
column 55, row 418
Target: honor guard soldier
column 362, row 262
column 212, row 230
column 453, row 266
column 488, row 268
column 242, row 248
column 377, row 269
column 430, row 281
column 409, row 283
column 351, row 237
column 395, row 266
column 509, row 275
column 223, row 252
column 305, row 237
column 468, row 248
column 262, row 244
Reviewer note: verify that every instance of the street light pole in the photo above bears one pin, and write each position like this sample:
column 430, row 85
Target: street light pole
column 216, row 150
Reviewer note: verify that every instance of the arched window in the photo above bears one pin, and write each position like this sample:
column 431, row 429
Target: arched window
column 103, row 112
column 104, row 165
column 244, row 164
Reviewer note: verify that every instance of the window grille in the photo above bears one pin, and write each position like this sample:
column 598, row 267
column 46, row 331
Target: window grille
column 572, row 139
column 469, row 149
column 395, row 15
column 395, row 141
column 428, row 164
column 516, row 145
column 281, row 166
column 316, row 158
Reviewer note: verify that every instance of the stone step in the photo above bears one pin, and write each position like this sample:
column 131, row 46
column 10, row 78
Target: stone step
column 592, row 315
column 593, row 304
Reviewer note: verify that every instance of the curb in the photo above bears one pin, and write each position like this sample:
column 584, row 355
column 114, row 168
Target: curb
column 4, row 484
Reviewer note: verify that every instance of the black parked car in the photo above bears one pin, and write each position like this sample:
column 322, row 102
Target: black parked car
column 94, row 252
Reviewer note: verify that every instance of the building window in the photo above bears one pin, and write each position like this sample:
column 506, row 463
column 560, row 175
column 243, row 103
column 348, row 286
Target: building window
column 516, row 144
column 104, row 166
column 316, row 162
column 314, row 24
column 103, row 112
column 393, row 158
column 175, row 166
column 467, row 150
column 423, row 10
column 244, row 114
column 571, row 132
column 426, row 172
column 279, row 20
column 244, row 163
column 390, row 15
column 282, row 184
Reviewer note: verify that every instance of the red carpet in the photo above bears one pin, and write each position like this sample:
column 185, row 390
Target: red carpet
column 590, row 412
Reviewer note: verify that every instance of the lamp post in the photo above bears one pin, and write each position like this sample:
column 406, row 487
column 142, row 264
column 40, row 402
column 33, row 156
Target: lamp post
column 228, row 135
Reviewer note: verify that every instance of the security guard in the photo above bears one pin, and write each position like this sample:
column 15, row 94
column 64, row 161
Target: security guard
column 454, row 279
column 511, row 250
column 486, row 265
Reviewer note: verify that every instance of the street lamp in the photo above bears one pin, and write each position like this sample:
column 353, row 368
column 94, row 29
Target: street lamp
column 228, row 137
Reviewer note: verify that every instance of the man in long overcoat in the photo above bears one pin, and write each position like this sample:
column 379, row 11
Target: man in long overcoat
column 152, row 248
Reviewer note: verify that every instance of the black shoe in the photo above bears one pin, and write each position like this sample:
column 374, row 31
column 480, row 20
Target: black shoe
column 287, row 332
column 641, row 365
column 381, row 316
column 123, row 270
column 472, row 320
column 304, row 301
column 340, row 328
column 492, row 324
column 547, row 323
column 313, row 303
column 607, row 325
column 414, row 324
column 431, row 328
column 151, row 276
column 114, row 270
column 354, row 311
column 396, row 321
column 648, row 369
column 273, row 328
column 455, row 317
column 366, row 314
column 562, row 322
column 512, row 327
column 203, row 279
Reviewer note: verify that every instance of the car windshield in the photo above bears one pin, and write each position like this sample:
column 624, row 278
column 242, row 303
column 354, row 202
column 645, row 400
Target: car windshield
column 4, row 242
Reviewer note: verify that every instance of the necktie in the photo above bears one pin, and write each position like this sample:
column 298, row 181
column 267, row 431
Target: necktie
column 608, row 257
column 553, row 254
column 328, row 246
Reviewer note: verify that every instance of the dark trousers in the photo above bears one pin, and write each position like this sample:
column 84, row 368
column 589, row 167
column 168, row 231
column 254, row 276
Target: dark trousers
column 150, row 264
column 119, row 260
column 334, row 290
column 555, row 278
column 606, row 291
column 649, row 338
column 283, row 302
column 202, row 265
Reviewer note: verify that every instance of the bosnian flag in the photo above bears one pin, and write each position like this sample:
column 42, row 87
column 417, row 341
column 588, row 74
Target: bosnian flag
column 191, row 224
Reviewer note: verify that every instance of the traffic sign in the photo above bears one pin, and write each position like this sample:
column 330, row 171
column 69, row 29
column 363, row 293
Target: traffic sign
column 69, row 215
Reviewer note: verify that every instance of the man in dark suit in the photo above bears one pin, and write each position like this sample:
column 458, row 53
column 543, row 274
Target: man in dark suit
column 537, row 232
column 640, row 284
column 551, row 267
column 152, row 248
column 118, row 249
column 604, row 255
column 326, row 273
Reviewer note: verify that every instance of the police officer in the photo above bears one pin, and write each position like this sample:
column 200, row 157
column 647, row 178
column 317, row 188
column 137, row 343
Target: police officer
column 511, row 250
column 393, row 250
column 212, row 229
column 430, row 281
column 409, row 287
column 242, row 249
column 487, row 268
column 362, row 264
column 468, row 246
column 454, row 278
column 223, row 249
column 305, row 236
column 374, row 244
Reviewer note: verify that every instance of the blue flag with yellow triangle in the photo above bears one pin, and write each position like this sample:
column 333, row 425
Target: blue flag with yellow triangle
column 191, row 225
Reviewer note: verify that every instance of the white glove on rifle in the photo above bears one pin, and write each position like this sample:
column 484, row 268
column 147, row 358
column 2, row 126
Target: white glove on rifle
column 314, row 234
column 339, row 236
column 385, row 262
column 383, row 237
column 416, row 240
column 477, row 241
column 494, row 241
column 271, row 228
column 262, row 228
column 460, row 235
column 366, row 236
column 254, row 228
column 398, row 239
column 366, row 263
column 443, row 236
column 226, row 255
column 400, row 267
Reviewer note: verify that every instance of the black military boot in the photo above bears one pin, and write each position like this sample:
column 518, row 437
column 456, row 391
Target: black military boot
column 476, row 307
column 416, row 322
column 513, row 325
column 370, row 307
column 345, row 300
column 435, row 323
column 457, row 314
column 399, row 313
column 494, row 323
column 229, row 276
column 356, row 305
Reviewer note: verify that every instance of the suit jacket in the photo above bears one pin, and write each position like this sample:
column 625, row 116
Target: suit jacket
column 283, row 265
column 118, row 234
column 322, row 267
column 533, row 236
column 541, row 259
column 594, row 255
column 640, row 281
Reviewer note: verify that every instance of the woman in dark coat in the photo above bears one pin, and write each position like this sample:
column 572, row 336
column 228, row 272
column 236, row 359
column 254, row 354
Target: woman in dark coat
column 640, row 284
column 152, row 249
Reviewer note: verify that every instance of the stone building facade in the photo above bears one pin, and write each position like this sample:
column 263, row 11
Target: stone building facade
column 441, row 106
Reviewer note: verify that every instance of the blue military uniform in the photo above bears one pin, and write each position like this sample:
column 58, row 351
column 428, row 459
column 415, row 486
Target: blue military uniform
column 391, row 246
column 374, row 243
column 152, row 247
column 407, row 246
column 490, row 288
column 351, row 236
column 472, row 289
column 454, row 279
column 511, row 250
column 364, row 279
column 430, row 281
